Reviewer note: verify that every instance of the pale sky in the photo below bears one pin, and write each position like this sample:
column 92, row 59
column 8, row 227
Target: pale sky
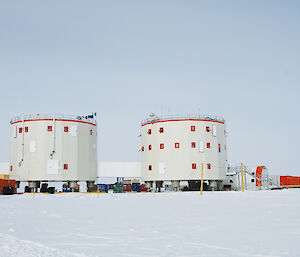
column 125, row 59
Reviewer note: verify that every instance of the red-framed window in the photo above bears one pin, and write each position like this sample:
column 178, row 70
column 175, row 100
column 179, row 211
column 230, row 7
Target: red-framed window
column 150, row 147
column 193, row 144
column 194, row 166
column 20, row 130
column 219, row 148
column 66, row 166
column 207, row 145
column 11, row 167
column 66, row 129
column 208, row 166
column 26, row 129
column 91, row 132
column 193, row 128
column 149, row 132
column 176, row 145
column 161, row 130
column 150, row 167
column 161, row 146
column 143, row 149
column 49, row 128
column 207, row 129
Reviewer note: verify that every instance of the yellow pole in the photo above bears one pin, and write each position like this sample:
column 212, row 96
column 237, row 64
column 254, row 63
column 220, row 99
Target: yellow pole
column 201, row 188
column 242, row 171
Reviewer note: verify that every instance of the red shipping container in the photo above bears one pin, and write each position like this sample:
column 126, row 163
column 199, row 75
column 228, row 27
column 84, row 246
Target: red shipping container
column 127, row 187
column 6, row 183
column 289, row 181
column 143, row 188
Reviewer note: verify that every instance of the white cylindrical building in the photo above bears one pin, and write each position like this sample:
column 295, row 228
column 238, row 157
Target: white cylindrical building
column 53, row 147
column 175, row 147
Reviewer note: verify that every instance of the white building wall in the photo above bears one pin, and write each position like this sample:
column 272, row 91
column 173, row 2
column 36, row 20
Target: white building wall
column 105, row 169
column 66, row 152
column 173, row 163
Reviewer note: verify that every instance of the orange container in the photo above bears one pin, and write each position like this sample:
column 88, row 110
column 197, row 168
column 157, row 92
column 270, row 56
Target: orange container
column 289, row 181
column 259, row 170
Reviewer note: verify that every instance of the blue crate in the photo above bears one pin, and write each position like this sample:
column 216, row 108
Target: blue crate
column 102, row 187
column 136, row 187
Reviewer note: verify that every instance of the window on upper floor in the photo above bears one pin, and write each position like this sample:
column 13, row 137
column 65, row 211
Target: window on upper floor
column 176, row 145
column 162, row 146
column 208, row 166
column 193, row 128
column 207, row 145
column 207, row 129
column 193, row 145
column 161, row 130
column 194, row 166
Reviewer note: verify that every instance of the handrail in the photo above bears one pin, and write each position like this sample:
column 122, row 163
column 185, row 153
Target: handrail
column 84, row 118
column 207, row 117
column 238, row 171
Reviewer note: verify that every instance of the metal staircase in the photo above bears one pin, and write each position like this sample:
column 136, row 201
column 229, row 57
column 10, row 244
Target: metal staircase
column 266, row 182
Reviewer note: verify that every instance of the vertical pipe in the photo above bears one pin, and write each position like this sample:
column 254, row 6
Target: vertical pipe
column 245, row 168
column 54, row 134
column 268, row 181
column 238, row 179
column 242, row 171
column 201, row 188
column 22, row 157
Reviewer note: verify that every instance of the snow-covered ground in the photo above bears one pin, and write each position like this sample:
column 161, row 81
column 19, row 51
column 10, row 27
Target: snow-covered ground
column 265, row 223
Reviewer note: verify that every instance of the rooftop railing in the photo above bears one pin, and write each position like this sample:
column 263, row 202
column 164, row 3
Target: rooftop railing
column 84, row 118
column 155, row 118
